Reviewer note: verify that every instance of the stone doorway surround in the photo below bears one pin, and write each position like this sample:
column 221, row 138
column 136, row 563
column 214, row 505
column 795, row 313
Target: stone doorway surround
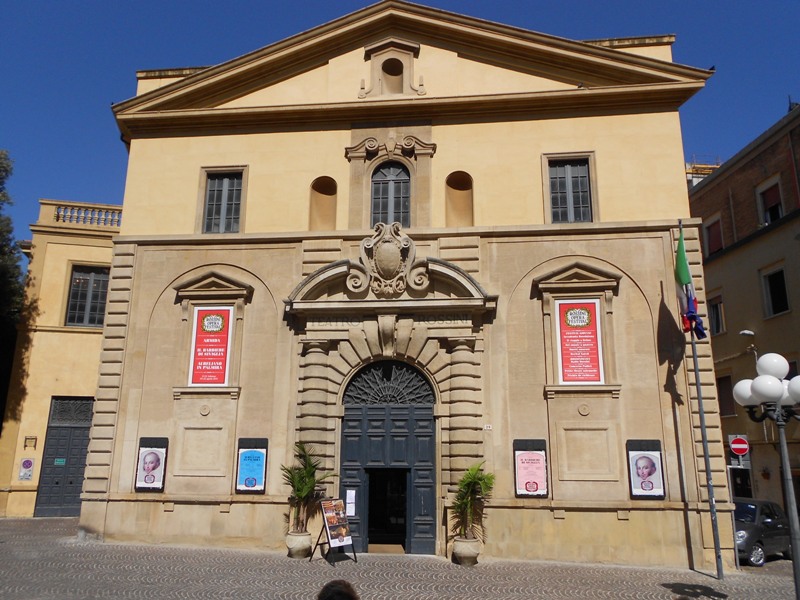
column 427, row 312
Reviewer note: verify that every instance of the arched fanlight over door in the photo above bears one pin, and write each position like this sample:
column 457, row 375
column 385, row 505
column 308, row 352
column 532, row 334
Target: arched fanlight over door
column 388, row 382
column 391, row 194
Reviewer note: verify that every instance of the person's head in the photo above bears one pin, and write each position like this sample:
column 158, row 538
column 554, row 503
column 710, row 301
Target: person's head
column 151, row 462
column 338, row 589
column 645, row 467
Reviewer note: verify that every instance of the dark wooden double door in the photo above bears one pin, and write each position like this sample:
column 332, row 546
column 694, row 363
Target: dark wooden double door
column 388, row 463
column 63, row 464
column 64, row 457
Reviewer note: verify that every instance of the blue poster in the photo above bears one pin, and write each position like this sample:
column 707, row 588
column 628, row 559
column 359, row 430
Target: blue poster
column 251, row 474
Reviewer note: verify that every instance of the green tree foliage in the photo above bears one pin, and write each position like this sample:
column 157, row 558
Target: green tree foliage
column 11, row 290
column 304, row 479
column 469, row 506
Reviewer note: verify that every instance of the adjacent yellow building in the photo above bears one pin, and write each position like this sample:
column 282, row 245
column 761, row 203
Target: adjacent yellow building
column 416, row 241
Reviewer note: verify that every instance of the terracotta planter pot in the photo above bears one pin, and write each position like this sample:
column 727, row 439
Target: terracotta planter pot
column 465, row 552
column 298, row 544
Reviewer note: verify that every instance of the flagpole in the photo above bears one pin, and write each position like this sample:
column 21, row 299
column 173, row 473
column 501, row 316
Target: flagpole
column 709, row 481
column 706, row 458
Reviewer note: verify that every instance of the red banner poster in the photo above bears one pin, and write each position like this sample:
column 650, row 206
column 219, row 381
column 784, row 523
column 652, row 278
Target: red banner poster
column 211, row 341
column 579, row 344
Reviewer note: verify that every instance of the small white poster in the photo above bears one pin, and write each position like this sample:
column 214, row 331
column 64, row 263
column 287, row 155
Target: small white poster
column 26, row 469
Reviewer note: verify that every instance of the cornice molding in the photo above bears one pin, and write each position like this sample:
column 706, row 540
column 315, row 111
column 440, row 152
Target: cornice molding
column 531, row 106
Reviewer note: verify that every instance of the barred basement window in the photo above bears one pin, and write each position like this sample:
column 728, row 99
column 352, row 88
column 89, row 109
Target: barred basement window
column 86, row 306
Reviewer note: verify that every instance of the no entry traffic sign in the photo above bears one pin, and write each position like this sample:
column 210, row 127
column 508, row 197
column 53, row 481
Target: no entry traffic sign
column 739, row 446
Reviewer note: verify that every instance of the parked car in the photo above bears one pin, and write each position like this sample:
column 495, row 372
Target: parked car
column 762, row 529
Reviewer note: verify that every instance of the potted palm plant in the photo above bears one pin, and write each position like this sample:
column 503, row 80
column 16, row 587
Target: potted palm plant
column 469, row 506
column 305, row 482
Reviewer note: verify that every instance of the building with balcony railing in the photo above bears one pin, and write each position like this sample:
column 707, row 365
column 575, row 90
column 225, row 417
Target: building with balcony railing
column 54, row 379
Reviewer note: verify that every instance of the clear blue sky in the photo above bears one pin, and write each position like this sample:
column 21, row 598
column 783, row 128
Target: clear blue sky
column 65, row 62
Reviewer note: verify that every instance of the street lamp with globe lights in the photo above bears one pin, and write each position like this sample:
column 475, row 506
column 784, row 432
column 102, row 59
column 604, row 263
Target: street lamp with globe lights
column 776, row 398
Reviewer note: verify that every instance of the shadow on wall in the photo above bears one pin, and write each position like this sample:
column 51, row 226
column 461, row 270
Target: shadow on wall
column 671, row 347
column 15, row 348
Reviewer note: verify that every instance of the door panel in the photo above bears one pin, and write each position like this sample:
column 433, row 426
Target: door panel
column 63, row 464
column 394, row 438
column 422, row 509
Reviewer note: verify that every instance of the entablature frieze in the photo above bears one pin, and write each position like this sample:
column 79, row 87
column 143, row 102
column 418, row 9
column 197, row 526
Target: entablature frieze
column 559, row 392
column 206, row 392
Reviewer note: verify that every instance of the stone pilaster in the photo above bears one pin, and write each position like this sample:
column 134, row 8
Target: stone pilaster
column 314, row 425
column 462, row 427
column 106, row 406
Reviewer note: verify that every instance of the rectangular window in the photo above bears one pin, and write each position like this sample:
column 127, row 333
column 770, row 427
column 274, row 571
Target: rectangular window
column 88, row 289
column 727, row 404
column 776, row 298
column 223, row 203
column 713, row 236
column 716, row 315
column 771, row 207
column 570, row 193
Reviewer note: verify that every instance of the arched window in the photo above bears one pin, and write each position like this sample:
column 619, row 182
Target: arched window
column 391, row 194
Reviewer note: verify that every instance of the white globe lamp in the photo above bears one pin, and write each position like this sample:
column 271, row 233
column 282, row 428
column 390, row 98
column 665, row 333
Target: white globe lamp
column 767, row 389
column 743, row 394
column 773, row 364
column 794, row 389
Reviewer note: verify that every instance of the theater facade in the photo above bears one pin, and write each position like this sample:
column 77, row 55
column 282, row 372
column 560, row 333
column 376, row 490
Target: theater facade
column 416, row 241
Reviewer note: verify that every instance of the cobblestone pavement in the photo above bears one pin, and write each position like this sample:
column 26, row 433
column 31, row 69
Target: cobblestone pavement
column 43, row 559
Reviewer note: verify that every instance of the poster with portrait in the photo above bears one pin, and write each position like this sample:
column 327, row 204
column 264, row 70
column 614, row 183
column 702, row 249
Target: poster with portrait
column 337, row 527
column 645, row 469
column 151, row 464
column 580, row 348
column 251, row 466
column 211, row 345
column 530, row 468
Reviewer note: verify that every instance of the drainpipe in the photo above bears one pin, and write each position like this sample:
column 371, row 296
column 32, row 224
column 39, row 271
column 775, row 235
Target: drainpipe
column 794, row 168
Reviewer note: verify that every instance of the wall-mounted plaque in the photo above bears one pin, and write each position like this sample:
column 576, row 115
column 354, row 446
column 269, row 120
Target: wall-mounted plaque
column 151, row 465
column 251, row 466
column 645, row 469
column 580, row 349
column 211, row 345
column 530, row 468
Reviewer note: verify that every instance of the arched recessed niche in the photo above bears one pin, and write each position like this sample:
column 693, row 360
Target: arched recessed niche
column 392, row 76
column 459, row 200
column 322, row 210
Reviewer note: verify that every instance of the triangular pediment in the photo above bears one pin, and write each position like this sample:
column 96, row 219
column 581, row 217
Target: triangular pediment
column 467, row 65
column 579, row 277
column 212, row 286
